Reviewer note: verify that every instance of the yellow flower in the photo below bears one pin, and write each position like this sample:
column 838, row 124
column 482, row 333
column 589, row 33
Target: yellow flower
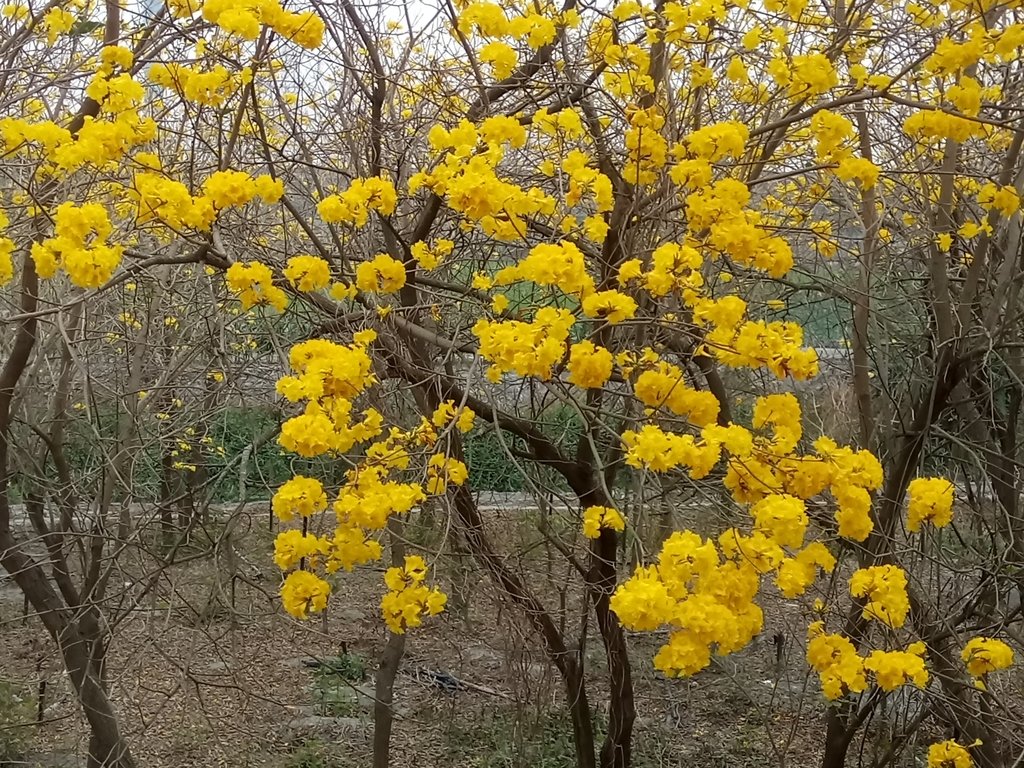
column 303, row 496
column 308, row 273
column 884, row 589
column 408, row 599
column 502, row 58
column 796, row 574
column 893, row 669
column 562, row 265
column 269, row 189
column 353, row 206
column 643, row 603
column 499, row 303
column 590, row 366
column 985, row 654
column 528, row 349
column 343, row 291
column 304, row 592
column 781, row 518
column 229, row 188
column 382, row 274
column 612, row 306
column 949, row 754
column 1003, row 199
column 858, row 169
column 253, row 283
column 835, row 660
column 718, row 141
column 292, row 546
column 596, row 518
column 931, row 500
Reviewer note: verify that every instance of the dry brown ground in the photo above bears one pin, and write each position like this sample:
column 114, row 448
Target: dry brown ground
column 227, row 686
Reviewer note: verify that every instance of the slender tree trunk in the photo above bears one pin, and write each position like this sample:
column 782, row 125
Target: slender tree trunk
column 565, row 660
column 387, row 670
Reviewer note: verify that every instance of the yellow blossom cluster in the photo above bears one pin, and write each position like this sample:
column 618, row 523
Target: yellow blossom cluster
column 835, row 659
column 806, row 76
column 159, row 198
column 949, row 754
column 982, row 655
column 370, row 498
column 883, row 589
column 611, row 306
column 57, row 22
column 732, row 339
column 527, row 349
column 560, row 265
column 308, row 273
column 233, row 189
column 353, row 206
column 101, row 142
column 760, row 466
column 1003, row 199
column 472, row 187
column 327, row 370
column 584, row 179
column 6, row 250
column 704, row 594
column 842, row 670
column 245, row 18
column 211, row 87
column 663, row 385
column 646, row 148
column 934, row 125
column 329, row 377
column 674, row 268
column 432, row 256
column 718, row 213
column 831, row 131
column 115, row 93
column 718, row 141
column 502, row 58
column 931, row 500
column 590, row 366
column 293, row 546
column 253, row 283
column 408, row 599
column 448, row 412
column 327, row 429
column 796, row 574
column 442, row 470
column 490, row 20
column 381, row 274
column 893, row 669
column 303, row 496
column 79, row 246
column 595, row 518
column 652, row 448
column 304, row 592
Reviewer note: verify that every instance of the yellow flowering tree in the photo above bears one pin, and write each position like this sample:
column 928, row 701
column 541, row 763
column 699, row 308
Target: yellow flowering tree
column 607, row 206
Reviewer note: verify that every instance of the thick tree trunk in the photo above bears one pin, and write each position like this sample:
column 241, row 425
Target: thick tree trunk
column 616, row 750
column 107, row 747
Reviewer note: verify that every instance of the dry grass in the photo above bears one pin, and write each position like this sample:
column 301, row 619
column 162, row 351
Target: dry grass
column 207, row 681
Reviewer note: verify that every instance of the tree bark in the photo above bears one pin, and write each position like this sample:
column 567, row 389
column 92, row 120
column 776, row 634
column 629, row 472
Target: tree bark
column 387, row 669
